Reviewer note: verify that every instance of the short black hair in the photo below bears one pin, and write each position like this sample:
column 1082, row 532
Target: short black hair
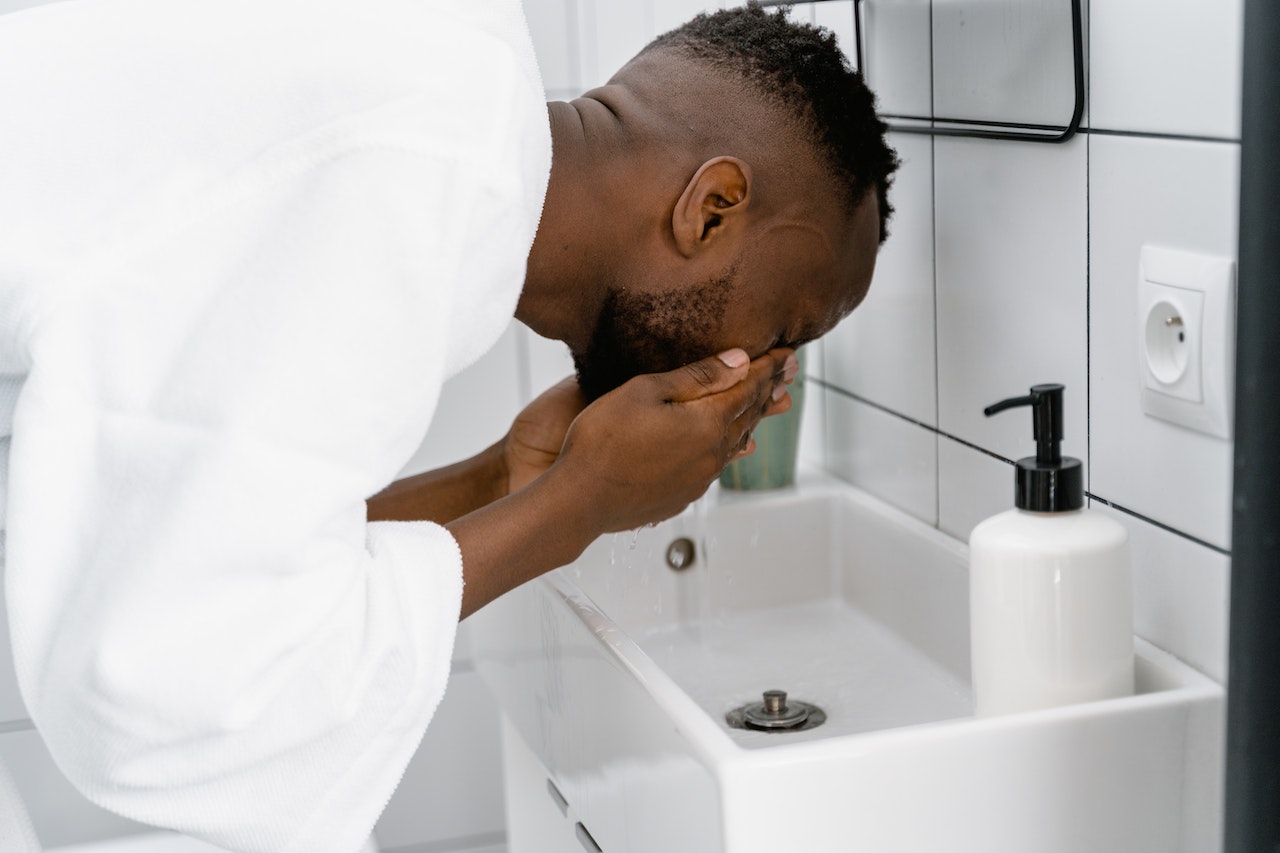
column 800, row 68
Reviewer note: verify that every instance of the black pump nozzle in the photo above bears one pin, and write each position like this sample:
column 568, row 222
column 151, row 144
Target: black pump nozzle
column 1046, row 418
column 1049, row 481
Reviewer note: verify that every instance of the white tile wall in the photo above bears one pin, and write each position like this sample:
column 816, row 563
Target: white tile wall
column 553, row 26
column 1004, row 60
column 1035, row 250
column 1181, row 591
column 837, row 16
column 897, row 52
column 615, row 32
column 546, row 361
column 1177, row 194
column 1010, row 221
column 1168, row 67
column 801, row 12
column 812, row 451
column 884, row 351
column 58, row 812
column 452, row 788
column 972, row 485
column 669, row 14
column 894, row 459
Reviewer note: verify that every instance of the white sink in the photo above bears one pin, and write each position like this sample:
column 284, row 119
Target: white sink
column 617, row 673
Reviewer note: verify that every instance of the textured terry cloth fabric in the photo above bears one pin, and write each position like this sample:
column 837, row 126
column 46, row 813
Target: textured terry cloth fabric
column 242, row 244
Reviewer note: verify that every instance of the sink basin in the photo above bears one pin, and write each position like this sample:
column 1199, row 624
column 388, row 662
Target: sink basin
column 618, row 673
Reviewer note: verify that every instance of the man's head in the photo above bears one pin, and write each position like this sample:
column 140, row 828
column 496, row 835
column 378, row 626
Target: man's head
column 727, row 187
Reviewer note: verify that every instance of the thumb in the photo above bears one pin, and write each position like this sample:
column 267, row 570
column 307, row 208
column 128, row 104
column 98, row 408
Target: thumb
column 706, row 377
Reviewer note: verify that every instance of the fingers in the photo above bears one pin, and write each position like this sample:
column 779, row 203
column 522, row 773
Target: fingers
column 708, row 376
column 777, row 402
column 757, row 392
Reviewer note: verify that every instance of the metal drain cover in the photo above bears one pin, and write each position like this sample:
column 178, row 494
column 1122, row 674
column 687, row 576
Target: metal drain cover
column 775, row 714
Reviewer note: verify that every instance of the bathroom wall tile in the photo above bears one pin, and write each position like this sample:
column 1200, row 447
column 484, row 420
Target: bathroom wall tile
column 1181, row 594
column 11, row 705
column 60, row 814
column 812, row 452
column 837, row 16
column 462, row 648
column 897, row 52
column 1004, row 60
column 1011, row 286
column 669, row 14
column 452, row 788
column 885, row 350
column 546, row 361
column 613, row 33
column 972, row 486
column 475, row 408
column 815, row 354
column 1180, row 195
column 1173, row 67
column 802, row 12
column 553, row 29
column 891, row 458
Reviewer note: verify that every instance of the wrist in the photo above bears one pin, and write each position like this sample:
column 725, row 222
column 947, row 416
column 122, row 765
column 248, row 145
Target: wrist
column 497, row 468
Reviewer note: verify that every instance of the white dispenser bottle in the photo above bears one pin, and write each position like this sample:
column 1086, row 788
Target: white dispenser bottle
column 1050, row 592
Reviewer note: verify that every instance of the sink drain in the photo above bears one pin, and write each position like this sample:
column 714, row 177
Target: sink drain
column 776, row 714
column 681, row 554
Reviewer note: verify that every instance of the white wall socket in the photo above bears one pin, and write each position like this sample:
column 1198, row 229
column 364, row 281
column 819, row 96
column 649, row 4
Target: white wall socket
column 1186, row 334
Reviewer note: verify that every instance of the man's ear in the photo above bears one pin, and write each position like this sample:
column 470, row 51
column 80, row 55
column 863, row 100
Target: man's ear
column 712, row 204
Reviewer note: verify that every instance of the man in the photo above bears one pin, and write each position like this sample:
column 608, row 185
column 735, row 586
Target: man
column 246, row 242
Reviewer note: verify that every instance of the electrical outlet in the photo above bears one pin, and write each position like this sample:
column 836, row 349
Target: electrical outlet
column 1186, row 334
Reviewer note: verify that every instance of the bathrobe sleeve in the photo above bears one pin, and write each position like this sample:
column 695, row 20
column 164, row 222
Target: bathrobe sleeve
column 208, row 634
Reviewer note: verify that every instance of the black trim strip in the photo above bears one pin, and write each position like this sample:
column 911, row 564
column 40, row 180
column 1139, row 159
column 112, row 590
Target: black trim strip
column 1015, row 131
column 1252, row 820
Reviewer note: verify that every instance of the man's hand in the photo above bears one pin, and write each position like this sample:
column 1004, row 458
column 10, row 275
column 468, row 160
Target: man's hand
column 637, row 455
column 533, row 443
column 646, row 450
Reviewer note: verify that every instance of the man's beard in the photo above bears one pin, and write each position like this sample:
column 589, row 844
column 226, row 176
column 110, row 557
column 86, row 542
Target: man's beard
column 637, row 333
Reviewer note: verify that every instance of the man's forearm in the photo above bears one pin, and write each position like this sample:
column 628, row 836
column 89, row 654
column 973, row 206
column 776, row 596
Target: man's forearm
column 523, row 535
column 444, row 494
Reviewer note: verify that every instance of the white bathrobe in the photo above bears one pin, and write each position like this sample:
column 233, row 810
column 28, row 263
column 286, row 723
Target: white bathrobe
column 242, row 245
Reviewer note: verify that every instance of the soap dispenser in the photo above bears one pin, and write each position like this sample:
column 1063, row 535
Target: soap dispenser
column 1050, row 593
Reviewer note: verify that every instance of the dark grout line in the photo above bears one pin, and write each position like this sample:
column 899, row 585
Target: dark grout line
column 888, row 411
column 871, row 403
column 1088, row 315
column 1176, row 137
column 21, row 725
column 1124, row 509
column 1090, row 495
column 933, row 240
